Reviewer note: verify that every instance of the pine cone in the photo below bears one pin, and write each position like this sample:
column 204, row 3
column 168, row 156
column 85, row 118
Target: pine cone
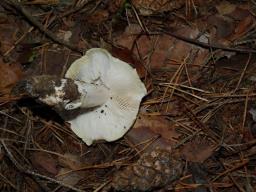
column 153, row 170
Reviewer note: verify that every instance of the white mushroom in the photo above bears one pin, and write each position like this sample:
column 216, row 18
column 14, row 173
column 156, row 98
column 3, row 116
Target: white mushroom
column 111, row 90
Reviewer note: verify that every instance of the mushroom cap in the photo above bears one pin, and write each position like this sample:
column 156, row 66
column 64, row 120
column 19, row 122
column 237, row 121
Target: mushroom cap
column 111, row 120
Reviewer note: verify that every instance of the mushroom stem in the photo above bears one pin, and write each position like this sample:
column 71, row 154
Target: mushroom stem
column 47, row 87
column 92, row 95
column 41, row 86
column 67, row 94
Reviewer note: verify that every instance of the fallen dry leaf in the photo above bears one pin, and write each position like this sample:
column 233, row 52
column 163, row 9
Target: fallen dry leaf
column 243, row 27
column 127, row 56
column 9, row 75
column 146, row 136
column 45, row 163
column 70, row 161
column 225, row 7
column 156, row 128
column 239, row 13
column 160, row 51
column 71, row 178
column 158, row 125
column 197, row 151
column 127, row 38
column 98, row 17
column 223, row 26
column 115, row 5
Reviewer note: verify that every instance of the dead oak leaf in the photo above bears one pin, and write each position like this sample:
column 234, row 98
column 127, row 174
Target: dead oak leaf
column 9, row 75
column 197, row 150
column 225, row 7
column 159, row 51
column 98, row 17
column 243, row 27
column 153, row 129
column 127, row 56
column 72, row 178
column 70, row 161
column 45, row 163
column 159, row 125
column 115, row 5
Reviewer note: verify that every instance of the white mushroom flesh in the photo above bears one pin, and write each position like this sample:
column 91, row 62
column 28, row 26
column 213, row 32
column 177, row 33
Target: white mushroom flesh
column 112, row 85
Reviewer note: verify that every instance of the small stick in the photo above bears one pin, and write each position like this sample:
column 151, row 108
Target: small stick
column 185, row 86
column 201, row 44
column 76, row 9
column 102, row 186
column 34, row 22
column 188, row 93
column 144, row 28
column 6, row 180
column 245, row 161
column 32, row 173
column 242, row 131
column 18, row 41
column 243, row 72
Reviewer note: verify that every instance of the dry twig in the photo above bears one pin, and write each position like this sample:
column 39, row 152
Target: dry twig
column 38, row 25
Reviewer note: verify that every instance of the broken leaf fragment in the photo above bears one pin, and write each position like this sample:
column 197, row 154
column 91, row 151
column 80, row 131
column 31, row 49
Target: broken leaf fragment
column 9, row 75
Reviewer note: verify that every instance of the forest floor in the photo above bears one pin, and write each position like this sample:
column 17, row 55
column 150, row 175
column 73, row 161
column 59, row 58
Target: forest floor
column 196, row 128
